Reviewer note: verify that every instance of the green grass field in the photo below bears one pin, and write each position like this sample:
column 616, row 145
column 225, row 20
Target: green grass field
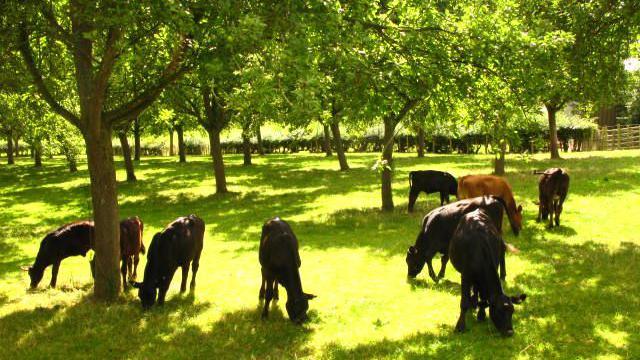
column 582, row 279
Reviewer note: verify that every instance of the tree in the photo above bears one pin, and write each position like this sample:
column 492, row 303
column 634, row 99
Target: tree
column 95, row 39
column 574, row 51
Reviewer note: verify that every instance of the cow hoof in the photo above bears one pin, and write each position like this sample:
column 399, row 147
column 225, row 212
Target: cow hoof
column 264, row 316
column 460, row 328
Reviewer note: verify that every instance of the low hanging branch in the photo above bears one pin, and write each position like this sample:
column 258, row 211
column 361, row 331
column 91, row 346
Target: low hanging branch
column 27, row 55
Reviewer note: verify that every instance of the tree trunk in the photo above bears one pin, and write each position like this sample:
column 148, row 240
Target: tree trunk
column 181, row 149
column 499, row 161
column 218, row 164
column 136, row 139
column 259, row 136
column 71, row 161
column 246, row 147
column 126, row 154
column 37, row 155
column 387, row 154
column 10, row 160
column 16, row 146
column 105, row 212
column 553, row 131
column 420, row 143
column 337, row 142
column 326, row 143
column 171, row 153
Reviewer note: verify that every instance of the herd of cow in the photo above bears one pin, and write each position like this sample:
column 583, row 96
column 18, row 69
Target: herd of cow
column 467, row 232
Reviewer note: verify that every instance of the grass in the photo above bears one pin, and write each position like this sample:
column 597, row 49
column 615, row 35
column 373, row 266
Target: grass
column 582, row 278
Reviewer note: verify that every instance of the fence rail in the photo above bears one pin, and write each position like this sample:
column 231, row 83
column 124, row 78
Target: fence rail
column 619, row 137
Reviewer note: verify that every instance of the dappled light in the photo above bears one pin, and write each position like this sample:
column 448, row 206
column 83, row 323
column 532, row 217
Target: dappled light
column 578, row 277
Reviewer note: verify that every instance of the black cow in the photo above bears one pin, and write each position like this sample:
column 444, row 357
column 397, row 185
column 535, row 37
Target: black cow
column 280, row 260
column 438, row 227
column 179, row 244
column 69, row 240
column 553, row 188
column 431, row 181
column 475, row 250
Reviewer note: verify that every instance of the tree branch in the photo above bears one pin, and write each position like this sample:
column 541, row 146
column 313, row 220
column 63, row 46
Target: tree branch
column 27, row 55
column 173, row 71
column 58, row 32
column 108, row 60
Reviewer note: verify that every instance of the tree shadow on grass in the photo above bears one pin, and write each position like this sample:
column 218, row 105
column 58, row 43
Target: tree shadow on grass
column 123, row 330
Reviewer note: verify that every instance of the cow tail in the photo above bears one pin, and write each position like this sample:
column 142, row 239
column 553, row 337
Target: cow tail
column 142, row 249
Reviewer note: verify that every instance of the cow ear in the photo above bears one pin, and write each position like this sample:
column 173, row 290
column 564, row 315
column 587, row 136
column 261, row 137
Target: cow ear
column 309, row 296
column 136, row 285
column 412, row 250
column 519, row 208
column 518, row 299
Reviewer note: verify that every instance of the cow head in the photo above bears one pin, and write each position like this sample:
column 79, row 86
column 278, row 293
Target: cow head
column 501, row 312
column 297, row 308
column 35, row 274
column 146, row 293
column 415, row 262
column 516, row 226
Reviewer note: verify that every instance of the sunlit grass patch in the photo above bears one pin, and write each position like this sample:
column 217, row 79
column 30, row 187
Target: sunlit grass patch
column 581, row 278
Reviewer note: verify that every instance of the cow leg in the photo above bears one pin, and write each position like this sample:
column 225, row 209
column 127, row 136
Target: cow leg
column 136, row 260
column 539, row 218
column 552, row 210
column 195, row 265
column 443, row 197
column 54, row 273
column 558, row 211
column 268, row 296
column 465, row 304
column 482, row 315
column 123, row 270
column 429, row 257
column 185, row 275
column 444, row 260
column 276, row 295
column 164, row 286
column 503, row 267
column 129, row 267
column 263, row 285
column 413, row 196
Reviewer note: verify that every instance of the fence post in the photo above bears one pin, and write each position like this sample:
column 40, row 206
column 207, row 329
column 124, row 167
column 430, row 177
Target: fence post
column 618, row 137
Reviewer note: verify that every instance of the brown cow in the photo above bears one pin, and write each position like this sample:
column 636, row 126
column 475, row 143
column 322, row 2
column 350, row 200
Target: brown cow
column 131, row 246
column 553, row 187
column 480, row 185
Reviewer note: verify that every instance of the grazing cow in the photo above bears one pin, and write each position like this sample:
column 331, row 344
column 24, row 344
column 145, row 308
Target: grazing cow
column 475, row 249
column 431, row 181
column 131, row 246
column 280, row 261
column 477, row 185
column 179, row 244
column 553, row 187
column 69, row 240
column 438, row 227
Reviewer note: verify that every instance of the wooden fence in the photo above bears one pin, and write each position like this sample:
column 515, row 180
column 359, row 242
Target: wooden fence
column 618, row 137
